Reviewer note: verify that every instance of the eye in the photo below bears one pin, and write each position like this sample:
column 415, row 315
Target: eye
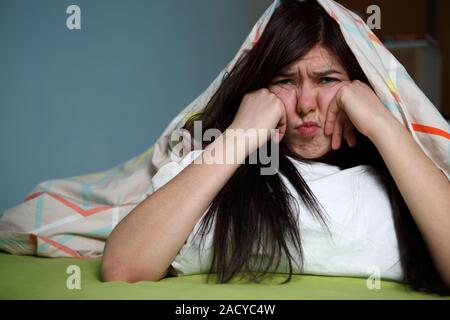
column 284, row 81
column 325, row 80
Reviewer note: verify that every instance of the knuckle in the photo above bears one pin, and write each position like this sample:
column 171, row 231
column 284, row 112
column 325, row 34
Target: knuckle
column 344, row 91
column 344, row 88
column 264, row 90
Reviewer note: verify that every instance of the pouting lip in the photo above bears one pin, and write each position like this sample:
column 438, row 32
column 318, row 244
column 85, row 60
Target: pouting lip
column 308, row 124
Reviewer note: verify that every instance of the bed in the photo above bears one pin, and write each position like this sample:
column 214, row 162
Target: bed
column 32, row 277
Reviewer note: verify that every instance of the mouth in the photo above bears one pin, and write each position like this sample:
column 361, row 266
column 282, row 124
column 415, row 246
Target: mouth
column 307, row 128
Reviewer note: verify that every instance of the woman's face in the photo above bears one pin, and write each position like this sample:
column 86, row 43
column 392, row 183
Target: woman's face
column 306, row 88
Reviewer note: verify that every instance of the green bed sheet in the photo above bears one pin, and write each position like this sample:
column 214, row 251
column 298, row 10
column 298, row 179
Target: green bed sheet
column 30, row 277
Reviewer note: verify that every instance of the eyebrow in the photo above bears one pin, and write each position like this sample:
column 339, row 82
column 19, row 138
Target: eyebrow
column 288, row 73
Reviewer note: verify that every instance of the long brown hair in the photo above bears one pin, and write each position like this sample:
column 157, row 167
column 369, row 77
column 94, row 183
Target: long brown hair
column 258, row 215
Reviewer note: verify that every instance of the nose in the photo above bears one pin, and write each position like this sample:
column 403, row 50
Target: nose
column 306, row 99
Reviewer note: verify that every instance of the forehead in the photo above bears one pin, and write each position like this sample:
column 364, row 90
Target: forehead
column 317, row 58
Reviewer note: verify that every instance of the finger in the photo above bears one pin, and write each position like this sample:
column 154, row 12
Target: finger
column 282, row 129
column 279, row 135
column 349, row 133
column 288, row 98
column 275, row 135
column 332, row 114
column 337, row 131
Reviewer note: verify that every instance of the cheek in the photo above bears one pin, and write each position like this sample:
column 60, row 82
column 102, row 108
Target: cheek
column 324, row 98
column 287, row 96
column 289, row 101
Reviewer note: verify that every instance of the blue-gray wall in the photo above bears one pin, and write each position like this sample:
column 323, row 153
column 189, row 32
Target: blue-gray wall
column 81, row 101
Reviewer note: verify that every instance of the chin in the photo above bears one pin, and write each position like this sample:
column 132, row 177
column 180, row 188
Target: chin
column 312, row 152
column 312, row 155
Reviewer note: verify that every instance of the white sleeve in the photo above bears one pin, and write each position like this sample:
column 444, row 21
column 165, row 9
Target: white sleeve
column 168, row 171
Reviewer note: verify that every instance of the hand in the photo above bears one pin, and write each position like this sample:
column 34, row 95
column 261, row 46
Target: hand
column 355, row 104
column 261, row 110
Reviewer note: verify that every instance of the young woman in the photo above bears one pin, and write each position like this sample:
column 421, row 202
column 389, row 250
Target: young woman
column 301, row 78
